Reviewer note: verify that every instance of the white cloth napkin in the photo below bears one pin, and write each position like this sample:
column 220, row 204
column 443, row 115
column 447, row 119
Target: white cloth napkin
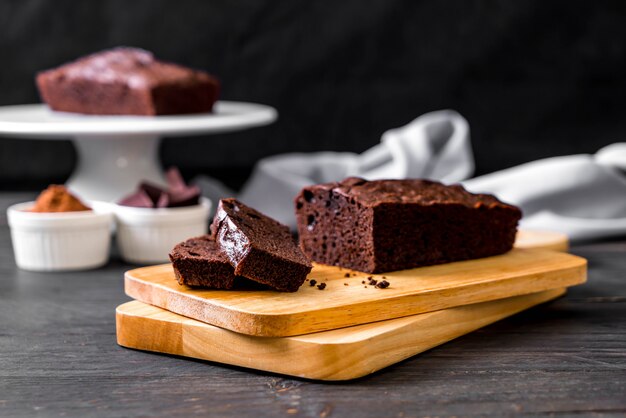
column 583, row 196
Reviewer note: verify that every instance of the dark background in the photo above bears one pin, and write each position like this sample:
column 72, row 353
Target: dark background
column 534, row 78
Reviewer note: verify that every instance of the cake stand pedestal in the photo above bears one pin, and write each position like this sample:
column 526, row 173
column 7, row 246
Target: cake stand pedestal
column 115, row 153
column 109, row 167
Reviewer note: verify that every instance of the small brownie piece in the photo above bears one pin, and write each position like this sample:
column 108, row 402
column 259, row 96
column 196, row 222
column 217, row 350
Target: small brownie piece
column 388, row 225
column 259, row 247
column 127, row 81
column 199, row 262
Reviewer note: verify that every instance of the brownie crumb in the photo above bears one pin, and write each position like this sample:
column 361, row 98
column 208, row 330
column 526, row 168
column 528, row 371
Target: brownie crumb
column 370, row 277
column 362, row 281
column 383, row 285
column 373, row 282
column 313, row 282
column 346, row 275
column 321, row 286
column 346, row 284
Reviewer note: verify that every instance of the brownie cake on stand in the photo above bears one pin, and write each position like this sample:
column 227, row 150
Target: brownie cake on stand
column 116, row 152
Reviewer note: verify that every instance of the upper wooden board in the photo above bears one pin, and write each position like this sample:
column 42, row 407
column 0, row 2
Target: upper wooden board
column 346, row 301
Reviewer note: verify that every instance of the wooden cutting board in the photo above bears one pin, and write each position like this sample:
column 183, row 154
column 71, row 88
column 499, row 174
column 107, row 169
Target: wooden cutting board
column 346, row 301
column 339, row 354
column 546, row 240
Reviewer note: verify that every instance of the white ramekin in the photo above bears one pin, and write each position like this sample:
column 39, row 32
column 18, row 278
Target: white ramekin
column 59, row 241
column 147, row 235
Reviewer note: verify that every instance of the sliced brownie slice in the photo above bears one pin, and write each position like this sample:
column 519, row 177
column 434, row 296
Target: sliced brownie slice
column 387, row 225
column 199, row 262
column 259, row 247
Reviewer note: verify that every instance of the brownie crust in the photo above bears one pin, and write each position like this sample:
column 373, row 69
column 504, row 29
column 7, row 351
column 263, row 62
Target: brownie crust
column 387, row 225
column 259, row 247
column 127, row 81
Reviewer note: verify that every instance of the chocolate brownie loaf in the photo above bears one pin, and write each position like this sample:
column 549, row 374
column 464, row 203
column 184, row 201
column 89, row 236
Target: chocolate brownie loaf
column 388, row 225
column 259, row 247
column 199, row 262
column 127, row 81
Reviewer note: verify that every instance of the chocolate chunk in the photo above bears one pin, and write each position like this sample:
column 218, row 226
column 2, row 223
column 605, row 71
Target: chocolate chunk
column 139, row 199
column 175, row 180
column 177, row 194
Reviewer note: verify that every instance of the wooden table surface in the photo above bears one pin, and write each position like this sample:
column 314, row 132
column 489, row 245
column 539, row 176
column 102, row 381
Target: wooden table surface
column 58, row 357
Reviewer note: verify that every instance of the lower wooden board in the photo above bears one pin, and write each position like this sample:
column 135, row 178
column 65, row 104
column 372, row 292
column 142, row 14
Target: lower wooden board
column 545, row 240
column 347, row 301
column 340, row 354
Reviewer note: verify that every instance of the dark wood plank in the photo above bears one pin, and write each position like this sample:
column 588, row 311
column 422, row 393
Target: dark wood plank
column 58, row 357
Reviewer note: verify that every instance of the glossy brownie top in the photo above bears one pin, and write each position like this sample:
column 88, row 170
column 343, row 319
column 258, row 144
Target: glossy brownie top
column 423, row 192
column 135, row 67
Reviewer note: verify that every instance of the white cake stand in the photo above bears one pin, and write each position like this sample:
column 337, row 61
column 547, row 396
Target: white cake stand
column 116, row 152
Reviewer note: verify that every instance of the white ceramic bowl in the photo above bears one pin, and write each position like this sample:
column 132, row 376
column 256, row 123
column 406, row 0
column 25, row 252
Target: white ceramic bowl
column 59, row 241
column 147, row 235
